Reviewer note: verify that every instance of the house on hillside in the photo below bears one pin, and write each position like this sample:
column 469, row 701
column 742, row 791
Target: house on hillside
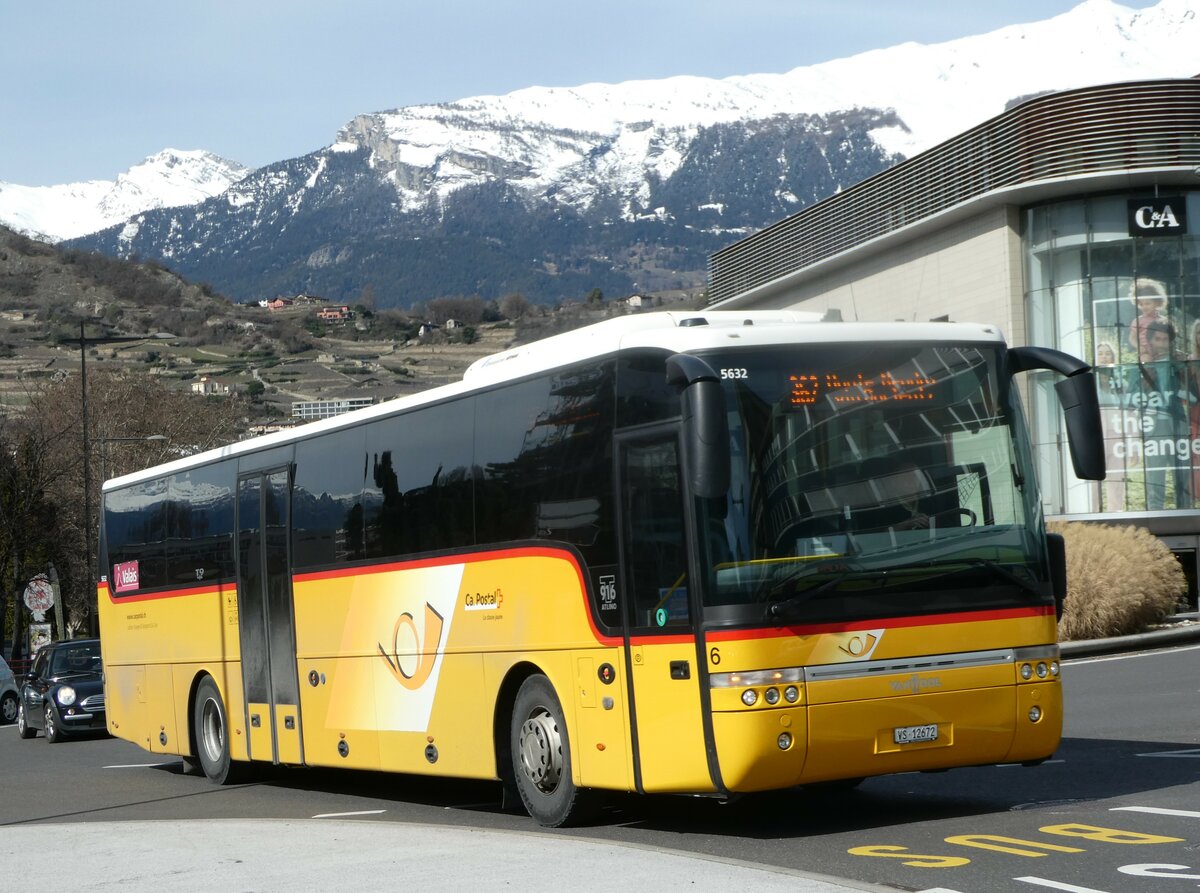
column 279, row 303
column 206, row 386
column 340, row 313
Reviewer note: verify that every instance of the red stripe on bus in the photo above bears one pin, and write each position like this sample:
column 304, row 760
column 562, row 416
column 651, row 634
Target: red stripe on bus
column 169, row 593
column 440, row 561
column 776, row 632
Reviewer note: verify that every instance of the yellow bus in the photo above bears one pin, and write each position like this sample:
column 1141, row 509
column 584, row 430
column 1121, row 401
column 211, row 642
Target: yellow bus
column 697, row 553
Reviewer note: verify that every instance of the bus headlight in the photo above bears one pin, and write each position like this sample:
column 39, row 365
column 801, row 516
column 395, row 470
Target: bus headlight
column 770, row 680
column 1035, row 713
column 1026, row 671
column 1053, row 668
column 784, row 740
column 1042, row 670
column 65, row 695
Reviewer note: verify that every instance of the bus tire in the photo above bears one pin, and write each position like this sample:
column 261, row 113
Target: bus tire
column 541, row 756
column 210, row 723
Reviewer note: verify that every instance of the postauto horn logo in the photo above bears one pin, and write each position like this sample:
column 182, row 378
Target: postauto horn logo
column 405, row 633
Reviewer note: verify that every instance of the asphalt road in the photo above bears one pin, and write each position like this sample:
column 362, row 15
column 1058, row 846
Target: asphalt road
column 1117, row 810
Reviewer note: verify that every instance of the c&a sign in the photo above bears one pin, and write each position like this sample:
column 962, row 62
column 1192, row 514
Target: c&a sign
column 1165, row 215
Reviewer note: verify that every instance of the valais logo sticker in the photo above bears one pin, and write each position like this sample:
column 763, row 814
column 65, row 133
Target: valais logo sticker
column 125, row 576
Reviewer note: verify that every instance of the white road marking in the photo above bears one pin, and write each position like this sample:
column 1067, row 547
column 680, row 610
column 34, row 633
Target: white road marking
column 1056, row 885
column 136, row 766
column 1192, row 754
column 1160, row 869
column 1158, row 810
column 339, row 815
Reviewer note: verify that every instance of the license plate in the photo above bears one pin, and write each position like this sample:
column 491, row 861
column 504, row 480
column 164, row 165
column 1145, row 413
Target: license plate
column 913, row 734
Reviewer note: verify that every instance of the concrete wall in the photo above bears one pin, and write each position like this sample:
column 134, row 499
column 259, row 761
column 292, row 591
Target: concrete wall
column 970, row 270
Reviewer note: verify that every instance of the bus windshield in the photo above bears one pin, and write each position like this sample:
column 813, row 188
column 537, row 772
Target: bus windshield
column 871, row 480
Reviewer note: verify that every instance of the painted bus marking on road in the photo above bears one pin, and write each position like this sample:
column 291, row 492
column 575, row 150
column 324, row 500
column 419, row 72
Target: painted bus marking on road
column 1015, row 846
column 997, row 843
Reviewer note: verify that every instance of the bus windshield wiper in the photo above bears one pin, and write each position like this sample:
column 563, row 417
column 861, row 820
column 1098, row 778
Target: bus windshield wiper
column 958, row 565
column 780, row 610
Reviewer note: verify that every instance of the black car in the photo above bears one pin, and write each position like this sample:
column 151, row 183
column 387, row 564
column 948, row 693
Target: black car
column 63, row 693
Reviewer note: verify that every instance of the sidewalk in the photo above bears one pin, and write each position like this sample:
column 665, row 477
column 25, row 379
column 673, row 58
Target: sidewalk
column 1183, row 629
column 337, row 854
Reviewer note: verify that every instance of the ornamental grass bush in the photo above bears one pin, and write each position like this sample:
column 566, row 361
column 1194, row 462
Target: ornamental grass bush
column 1120, row 580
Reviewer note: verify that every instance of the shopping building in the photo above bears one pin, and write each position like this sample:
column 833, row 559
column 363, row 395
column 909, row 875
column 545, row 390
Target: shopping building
column 1071, row 221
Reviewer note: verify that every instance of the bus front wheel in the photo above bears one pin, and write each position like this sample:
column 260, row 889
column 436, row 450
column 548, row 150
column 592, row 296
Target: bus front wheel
column 541, row 755
column 211, row 725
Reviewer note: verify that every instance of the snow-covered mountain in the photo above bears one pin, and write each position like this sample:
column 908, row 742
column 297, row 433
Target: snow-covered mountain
column 168, row 179
column 597, row 138
column 552, row 191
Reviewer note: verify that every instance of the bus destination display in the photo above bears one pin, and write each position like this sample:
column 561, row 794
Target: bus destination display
column 842, row 389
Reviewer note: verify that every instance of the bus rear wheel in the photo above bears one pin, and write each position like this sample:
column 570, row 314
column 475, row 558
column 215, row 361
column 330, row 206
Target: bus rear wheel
column 541, row 756
column 210, row 723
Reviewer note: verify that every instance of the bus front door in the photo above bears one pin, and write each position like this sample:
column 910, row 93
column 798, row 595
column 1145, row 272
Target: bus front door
column 266, row 620
column 671, row 754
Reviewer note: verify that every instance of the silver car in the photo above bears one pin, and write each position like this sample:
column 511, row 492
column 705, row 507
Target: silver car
column 8, row 694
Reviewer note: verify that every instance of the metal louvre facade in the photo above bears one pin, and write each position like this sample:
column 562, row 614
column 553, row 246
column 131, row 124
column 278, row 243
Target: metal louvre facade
column 1074, row 135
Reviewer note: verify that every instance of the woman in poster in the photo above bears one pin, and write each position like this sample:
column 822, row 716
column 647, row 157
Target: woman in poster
column 1110, row 388
column 1193, row 382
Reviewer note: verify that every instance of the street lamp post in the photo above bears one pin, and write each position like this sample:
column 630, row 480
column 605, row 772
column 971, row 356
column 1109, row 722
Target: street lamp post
column 149, row 438
column 84, row 342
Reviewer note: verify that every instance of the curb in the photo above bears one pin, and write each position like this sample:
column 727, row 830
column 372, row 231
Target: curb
column 1187, row 631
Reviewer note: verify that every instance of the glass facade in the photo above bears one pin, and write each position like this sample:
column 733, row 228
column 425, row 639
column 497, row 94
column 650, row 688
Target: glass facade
column 1115, row 280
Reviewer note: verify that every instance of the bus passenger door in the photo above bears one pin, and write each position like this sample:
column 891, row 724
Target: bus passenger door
column 265, row 616
column 669, row 729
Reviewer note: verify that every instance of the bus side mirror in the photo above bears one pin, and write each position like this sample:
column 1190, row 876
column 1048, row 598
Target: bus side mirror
column 1056, row 551
column 705, row 428
column 1085, row 434
column 1081, row 407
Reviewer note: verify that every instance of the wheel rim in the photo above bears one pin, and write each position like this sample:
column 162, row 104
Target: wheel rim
column 10, row 709
column 49, row 722
column 541, row 750
column 21, row 720
column 212, row 731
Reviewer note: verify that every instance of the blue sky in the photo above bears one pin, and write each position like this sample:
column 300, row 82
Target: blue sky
column 92, row 87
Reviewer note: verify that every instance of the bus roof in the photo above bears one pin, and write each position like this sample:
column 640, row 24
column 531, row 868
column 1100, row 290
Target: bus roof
column 675, row 331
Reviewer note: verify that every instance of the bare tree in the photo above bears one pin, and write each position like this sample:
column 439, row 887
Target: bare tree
column 466, row 310
column 123, row 409
column 514, row 306
column 30, row 526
